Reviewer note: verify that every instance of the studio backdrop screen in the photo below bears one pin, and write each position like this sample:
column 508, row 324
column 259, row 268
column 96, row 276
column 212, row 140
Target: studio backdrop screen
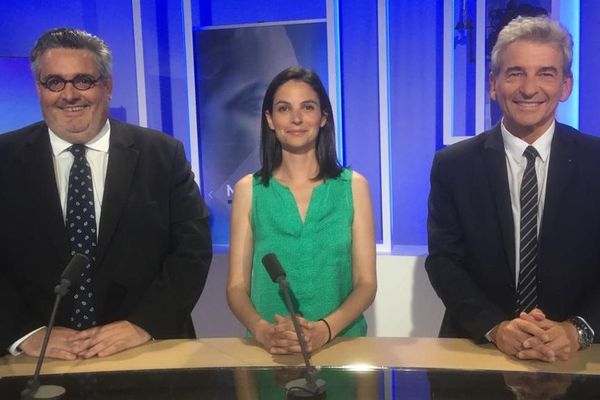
column 234, row 66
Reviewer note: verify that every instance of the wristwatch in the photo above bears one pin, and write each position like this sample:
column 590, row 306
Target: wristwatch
column 585, row 333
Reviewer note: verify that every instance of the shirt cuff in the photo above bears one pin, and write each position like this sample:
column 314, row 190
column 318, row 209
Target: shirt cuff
column 488, row 335
column 14, row 348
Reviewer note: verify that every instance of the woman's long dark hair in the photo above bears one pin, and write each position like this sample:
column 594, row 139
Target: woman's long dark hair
column 270, row 148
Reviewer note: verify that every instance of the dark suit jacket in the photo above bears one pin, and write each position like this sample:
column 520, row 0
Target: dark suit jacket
column 471, row 237
column 154, row 246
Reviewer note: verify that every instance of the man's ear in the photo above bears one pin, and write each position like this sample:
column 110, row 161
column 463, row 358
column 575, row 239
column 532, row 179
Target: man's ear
column 567, row 88
column 108, row 82
column 492, row 79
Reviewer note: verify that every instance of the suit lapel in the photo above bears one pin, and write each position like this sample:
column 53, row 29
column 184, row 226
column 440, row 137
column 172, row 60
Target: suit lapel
column 495, row 164
column 560, row 174
column 38, row 164
column 122, row 161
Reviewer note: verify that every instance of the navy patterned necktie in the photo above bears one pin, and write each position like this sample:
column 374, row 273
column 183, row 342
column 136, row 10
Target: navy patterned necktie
column 81, row 231
column 527, row 288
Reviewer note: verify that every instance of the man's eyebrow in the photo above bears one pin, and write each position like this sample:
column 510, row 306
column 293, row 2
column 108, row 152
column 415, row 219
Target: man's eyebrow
column 83, row 74
column 514, row 69
column 51, row 76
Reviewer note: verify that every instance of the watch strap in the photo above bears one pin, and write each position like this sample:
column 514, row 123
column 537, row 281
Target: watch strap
column 585, row 333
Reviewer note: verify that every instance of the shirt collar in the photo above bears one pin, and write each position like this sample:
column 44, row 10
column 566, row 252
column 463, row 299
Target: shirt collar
column 100, row 142
column 514, row 146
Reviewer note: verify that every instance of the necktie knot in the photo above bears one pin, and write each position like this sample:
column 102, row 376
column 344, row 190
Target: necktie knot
column 77, row 149
column 531, row 153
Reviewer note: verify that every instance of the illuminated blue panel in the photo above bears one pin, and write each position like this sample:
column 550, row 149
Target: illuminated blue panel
column 18, row 99
column 568, row 112
column 232, row 12
column 165, row 69
column 360, row 94
column 415, row 111
column 589, row 117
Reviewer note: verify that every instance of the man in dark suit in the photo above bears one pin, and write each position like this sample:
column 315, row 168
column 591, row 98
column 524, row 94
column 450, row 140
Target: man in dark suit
column 143, row 224
column 514, row 220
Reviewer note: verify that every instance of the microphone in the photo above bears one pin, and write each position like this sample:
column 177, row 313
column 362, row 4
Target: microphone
column 71, row 274
column 274, row 268
column 308, row 386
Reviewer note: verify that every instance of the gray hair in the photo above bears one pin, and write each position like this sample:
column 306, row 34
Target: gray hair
column 70, row 38
column 539, row 29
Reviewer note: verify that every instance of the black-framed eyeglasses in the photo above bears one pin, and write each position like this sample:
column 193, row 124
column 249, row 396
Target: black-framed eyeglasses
column 80, row 82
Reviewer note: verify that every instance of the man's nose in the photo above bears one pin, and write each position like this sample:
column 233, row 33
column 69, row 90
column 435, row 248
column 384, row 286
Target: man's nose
column 70, row 92
column 529, row 87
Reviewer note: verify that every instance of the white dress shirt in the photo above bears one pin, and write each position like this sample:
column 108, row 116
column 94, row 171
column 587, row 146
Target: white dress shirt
column 515, row 166
column 97, row 157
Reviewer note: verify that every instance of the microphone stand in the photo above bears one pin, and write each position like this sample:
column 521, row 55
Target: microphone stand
column 33, row 390
column 307, row 386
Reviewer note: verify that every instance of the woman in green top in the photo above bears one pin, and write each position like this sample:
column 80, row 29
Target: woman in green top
column 313, row 214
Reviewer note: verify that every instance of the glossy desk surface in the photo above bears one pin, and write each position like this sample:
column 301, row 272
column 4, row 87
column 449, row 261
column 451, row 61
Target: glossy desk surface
column 357, row 368
column 425, row 353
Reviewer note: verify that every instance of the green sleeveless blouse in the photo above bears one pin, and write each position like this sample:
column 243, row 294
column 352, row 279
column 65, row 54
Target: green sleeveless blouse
column 316, row 255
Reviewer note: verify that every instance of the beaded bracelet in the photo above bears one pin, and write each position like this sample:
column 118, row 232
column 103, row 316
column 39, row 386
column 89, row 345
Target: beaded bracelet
column 328, row 329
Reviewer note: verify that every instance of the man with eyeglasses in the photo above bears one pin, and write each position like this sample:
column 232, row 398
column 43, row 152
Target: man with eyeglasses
column 124, row 196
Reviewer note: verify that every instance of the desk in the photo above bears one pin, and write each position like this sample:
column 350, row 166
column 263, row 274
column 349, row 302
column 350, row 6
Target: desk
column 391, row 363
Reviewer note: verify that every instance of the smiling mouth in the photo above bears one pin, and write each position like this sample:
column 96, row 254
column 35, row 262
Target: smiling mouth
column 73, row 108
column 297, row 132
column 529, row 104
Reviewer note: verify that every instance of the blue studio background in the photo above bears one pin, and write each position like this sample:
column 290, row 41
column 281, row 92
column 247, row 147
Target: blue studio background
column 387, row 59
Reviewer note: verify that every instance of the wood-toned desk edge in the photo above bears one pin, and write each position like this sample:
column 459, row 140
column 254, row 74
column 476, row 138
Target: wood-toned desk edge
column 410, row 353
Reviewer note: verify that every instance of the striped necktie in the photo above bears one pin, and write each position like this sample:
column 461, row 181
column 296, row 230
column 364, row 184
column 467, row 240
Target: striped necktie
column 527, row 288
